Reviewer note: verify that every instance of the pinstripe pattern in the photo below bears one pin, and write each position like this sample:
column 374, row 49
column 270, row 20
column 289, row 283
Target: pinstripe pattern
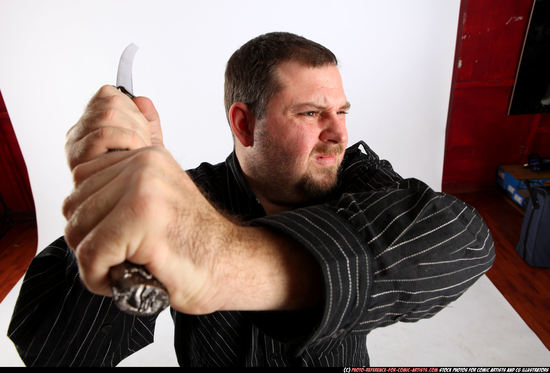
column 390, row 249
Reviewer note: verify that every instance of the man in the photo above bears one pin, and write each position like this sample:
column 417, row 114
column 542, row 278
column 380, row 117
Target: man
column 286, row 254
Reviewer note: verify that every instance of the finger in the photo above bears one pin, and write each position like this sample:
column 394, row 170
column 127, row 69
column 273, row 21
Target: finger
column 95, row 132
column 115, row 111
column 119, row 236
column 95, row 258
column 150, row 113
column 84, row 170
column 91, row 176
column 146, row 156
column 101, row 141
column 102, row 182
column 89, row 204
column 105, row 99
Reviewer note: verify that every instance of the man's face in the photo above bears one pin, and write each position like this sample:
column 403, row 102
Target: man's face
column 300, row 142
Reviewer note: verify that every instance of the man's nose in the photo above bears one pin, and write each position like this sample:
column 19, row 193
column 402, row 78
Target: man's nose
column 334, row 129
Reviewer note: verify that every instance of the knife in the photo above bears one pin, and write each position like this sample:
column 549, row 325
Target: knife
column 135, row 290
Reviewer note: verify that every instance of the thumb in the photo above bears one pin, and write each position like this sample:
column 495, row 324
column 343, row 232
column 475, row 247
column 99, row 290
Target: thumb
column 145, row 105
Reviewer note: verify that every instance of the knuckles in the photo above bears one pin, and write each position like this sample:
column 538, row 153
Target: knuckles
column 72, row 233
column 67, row 207
column 146, row 183
column 112, row 105
column 86, row 259
column 109, row 119
column 80, row 173
column 151, row 156
column 146, row 199
column 101, row 134
column 106, row 90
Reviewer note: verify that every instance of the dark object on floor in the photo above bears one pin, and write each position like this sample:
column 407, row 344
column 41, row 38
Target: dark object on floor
column 536, row 163
column 534, row 242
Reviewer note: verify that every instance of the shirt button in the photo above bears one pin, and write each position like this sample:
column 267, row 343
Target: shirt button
column 106, row 329
column 338, row 333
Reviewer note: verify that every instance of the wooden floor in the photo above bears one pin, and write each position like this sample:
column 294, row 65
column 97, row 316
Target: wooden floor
column 17, row 248
column 526, row 288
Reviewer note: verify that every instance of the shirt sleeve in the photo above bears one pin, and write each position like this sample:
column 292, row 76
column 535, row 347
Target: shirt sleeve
column 390, row 249
column 58, row 322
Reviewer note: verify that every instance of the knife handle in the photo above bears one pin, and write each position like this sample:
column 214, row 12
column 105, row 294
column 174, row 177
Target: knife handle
column 125, row 91
column 135, row 290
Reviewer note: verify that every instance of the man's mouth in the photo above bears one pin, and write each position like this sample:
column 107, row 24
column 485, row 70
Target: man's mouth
column 328, row 155
column 326, row 159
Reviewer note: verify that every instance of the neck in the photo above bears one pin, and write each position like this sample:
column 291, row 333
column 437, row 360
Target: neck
column 261, row 190
column 272, row 208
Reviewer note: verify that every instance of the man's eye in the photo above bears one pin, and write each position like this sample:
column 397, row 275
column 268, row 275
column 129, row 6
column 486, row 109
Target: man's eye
column 342, row 112
column 309, row 113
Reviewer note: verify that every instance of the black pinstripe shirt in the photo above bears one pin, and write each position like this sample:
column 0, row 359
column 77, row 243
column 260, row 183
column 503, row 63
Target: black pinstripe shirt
column 390, row 249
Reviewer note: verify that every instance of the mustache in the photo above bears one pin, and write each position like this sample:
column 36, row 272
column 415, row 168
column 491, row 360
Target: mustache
column 329, row 149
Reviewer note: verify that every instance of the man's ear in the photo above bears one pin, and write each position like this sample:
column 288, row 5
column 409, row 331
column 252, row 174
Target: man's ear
column 242, row 122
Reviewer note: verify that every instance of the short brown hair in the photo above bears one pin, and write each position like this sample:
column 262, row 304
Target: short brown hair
column 249, row 75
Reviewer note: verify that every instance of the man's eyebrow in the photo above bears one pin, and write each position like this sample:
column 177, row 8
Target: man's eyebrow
column 302, row 105
column 347, row 106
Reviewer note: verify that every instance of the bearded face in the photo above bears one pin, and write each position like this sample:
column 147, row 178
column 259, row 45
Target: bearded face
column 299, row 144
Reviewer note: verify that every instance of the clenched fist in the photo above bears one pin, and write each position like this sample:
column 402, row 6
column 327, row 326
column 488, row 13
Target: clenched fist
column 112, row 121
column 136, row 205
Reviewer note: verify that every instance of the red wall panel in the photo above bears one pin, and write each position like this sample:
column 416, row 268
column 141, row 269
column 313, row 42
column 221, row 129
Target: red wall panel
column 491, row 39
column 14, row 181
column 480, row 135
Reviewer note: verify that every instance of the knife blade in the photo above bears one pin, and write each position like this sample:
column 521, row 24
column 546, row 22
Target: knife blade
column 124, row 73
column 135, row 290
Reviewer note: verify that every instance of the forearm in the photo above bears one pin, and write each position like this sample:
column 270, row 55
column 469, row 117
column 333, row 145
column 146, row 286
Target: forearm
column 267, row 270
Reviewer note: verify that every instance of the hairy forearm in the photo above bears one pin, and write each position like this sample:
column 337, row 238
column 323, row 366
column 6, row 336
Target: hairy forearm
column 236, row 266
column 266, row 270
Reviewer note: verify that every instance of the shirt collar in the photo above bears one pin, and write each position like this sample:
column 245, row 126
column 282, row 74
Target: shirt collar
column 251, row 206
column 240, row 189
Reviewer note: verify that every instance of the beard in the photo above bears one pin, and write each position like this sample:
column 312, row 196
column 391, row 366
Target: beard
column 274, row 175
column 313, row 187
column 319, row 182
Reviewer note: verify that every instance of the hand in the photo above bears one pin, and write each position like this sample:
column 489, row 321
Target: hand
column 112, row 121
column 140, row 206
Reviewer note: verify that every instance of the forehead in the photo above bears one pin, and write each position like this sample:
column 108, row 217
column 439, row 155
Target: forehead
column 296, row 79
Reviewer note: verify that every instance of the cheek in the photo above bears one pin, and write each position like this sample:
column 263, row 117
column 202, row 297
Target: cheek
column 293, row 141
column 299, row 149
column 303, row 138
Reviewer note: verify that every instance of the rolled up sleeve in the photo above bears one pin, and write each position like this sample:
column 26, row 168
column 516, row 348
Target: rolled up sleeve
column 390, row 250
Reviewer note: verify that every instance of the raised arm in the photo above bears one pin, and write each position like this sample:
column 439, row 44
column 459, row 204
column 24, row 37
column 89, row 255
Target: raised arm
column 389, row 249
column 139, row 205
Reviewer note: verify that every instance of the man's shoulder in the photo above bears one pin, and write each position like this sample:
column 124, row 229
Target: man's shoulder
column 362, row 166
column 207, row 170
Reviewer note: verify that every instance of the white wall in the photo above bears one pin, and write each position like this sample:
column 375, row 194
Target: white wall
column 396, row 59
